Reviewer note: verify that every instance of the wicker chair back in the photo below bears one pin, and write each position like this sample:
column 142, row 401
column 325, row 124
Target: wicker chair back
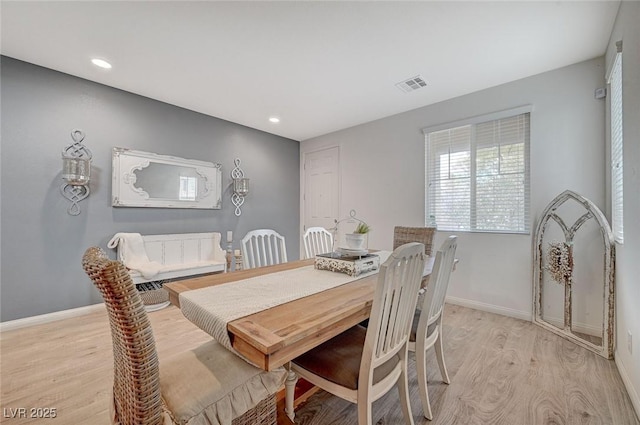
column 423, row 235
column 136, row 383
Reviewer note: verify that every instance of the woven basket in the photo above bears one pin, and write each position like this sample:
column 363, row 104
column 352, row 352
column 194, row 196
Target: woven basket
column 152, row 293
column 157, row 296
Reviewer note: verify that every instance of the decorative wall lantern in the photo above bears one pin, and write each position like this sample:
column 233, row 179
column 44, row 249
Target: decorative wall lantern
column 240, row 186
column 76, row 171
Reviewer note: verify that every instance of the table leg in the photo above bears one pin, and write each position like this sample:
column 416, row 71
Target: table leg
column 290, row 387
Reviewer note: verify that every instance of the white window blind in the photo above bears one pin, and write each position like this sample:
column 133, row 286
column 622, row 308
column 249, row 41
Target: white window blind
column 617, row 193
column 477, row 176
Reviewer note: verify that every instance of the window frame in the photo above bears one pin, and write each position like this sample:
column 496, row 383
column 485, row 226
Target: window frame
column 473, row 121
column 616, row 146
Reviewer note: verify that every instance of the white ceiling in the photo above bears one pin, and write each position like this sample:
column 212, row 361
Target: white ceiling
column 319, row 66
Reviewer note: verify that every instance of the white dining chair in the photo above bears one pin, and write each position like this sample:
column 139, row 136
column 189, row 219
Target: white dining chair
column 263, row 247
column 362, row 364
column 317, row 240
column 426, row 330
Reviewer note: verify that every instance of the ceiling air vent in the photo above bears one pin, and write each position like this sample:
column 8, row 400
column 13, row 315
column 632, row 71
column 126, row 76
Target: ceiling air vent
column 413, row 83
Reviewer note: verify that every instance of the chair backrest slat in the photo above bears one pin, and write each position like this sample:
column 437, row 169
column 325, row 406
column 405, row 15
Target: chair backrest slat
column 263, row 247
column 263, row 251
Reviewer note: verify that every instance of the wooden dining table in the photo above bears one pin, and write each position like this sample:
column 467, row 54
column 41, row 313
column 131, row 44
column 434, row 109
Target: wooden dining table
column 273, row 337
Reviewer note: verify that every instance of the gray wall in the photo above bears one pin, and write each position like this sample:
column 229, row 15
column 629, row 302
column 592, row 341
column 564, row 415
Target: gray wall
column 42, row 245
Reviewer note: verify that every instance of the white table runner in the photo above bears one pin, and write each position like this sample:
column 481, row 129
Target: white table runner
column 212, row 308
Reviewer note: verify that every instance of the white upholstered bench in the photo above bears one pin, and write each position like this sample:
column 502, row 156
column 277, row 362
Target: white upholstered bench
column 179, row 255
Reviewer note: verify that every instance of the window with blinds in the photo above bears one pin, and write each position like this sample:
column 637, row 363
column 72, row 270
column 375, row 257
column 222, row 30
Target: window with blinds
column 617, row 194
column 477, row 175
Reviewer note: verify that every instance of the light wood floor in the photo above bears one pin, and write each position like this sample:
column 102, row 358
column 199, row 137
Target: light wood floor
column 503, row 371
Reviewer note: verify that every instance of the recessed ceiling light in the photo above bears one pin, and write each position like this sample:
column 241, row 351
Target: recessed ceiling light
column 274, row 119
column 101, row 63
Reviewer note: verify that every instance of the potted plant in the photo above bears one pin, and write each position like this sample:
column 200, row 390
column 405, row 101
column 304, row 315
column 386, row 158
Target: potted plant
column 356, row 240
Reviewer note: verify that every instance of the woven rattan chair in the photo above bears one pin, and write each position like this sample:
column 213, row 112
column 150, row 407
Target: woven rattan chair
column 424, row 235
column 206, row 385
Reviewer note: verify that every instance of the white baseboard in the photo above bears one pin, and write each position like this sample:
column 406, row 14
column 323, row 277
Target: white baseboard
column 490, row 308
column 578, row 327
column 49, row 317
column 633, row 394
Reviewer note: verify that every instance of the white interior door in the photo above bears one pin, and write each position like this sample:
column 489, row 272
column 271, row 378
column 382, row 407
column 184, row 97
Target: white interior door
column 321, row 188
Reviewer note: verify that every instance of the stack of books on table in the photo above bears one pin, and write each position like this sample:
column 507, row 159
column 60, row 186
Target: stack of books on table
column 351, row 263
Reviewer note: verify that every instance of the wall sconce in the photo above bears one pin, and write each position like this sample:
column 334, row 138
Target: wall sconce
column 240, row 186
column 76, row 171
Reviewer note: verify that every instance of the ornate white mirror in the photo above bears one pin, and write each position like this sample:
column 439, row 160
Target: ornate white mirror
column 144, row 179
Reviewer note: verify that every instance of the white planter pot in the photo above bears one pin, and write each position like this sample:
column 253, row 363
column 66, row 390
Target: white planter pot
column 355, row 240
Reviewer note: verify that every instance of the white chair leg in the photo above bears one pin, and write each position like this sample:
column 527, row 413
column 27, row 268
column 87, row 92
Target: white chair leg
column 421, row 368
column 440, row 356
column 364, row 412
column 290, row 388
column 403, row 389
